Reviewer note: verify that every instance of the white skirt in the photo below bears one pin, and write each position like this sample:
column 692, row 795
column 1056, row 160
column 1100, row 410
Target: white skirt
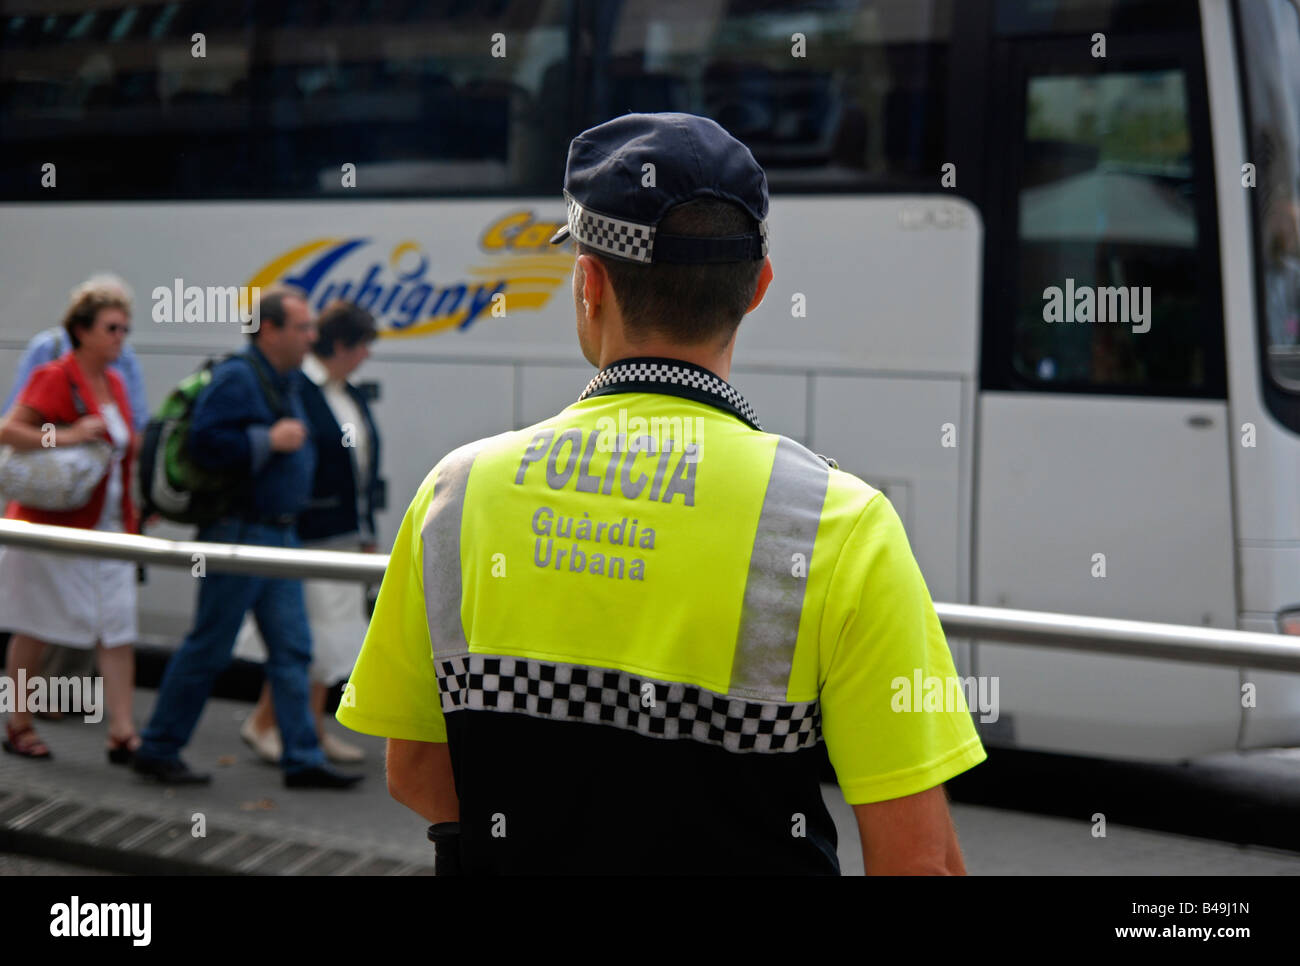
column 74, row 601
column 336, row 614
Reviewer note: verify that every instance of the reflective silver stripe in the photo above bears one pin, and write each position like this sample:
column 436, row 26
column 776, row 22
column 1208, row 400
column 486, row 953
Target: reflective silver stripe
column 769, row 615
column 441, row 535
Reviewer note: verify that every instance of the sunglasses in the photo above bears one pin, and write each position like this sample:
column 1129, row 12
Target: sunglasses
column 114, row 328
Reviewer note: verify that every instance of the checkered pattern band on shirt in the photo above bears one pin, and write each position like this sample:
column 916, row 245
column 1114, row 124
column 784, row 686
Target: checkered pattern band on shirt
column 690, row 376
column 574, row 692
column 614, row 236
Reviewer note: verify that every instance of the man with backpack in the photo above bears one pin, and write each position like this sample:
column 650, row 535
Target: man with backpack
column 250, row 420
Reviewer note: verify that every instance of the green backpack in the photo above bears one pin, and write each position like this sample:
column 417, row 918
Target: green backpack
column 171, row 484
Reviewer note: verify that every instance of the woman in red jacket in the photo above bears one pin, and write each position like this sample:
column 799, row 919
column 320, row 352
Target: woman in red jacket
column 78, row 602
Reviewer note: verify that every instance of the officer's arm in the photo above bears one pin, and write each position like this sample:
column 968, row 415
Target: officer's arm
column 909, row 836
column 420, row 777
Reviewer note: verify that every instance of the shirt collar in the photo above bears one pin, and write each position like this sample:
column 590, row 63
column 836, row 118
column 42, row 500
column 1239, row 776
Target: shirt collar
column 315, row 370
column 673, row 377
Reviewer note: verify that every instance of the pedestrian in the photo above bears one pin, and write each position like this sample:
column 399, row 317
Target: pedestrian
column 52, row 343
column 46, row 346
column 82, row 603
column 611, row 642
column 341, row 516
column 250, row 417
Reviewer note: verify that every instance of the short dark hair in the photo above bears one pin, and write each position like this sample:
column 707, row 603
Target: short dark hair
column 271, row 306
column 689, row 304
column 343, row 322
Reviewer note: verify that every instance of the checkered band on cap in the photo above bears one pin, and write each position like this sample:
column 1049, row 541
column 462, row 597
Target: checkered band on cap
column 675, row 375
column 574, row 692
column 614, row 236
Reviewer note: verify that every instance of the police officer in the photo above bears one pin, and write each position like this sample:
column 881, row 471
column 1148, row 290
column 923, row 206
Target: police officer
column 611, row 642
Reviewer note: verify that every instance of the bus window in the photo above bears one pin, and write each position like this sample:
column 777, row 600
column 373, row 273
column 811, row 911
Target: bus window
column 123, row 103
column 419, row 99
column 444, row 99
column 1108, row 291
column 841, row 95
column 1082, row 17
column 1271, row 39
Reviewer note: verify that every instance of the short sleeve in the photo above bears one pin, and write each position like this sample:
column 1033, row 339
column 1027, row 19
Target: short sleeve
column 393, row 690
column 894, row 715
column 46, row 391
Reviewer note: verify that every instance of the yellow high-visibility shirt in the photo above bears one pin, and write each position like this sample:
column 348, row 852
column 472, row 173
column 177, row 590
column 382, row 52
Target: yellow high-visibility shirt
column 635, row 622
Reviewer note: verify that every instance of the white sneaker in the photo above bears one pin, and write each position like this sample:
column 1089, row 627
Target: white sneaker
column 338, row 750
column 266, row 743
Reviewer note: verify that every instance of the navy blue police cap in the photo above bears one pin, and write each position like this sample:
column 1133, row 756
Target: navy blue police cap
column 615, row 207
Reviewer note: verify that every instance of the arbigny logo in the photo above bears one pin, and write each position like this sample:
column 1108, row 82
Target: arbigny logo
column 409, row 295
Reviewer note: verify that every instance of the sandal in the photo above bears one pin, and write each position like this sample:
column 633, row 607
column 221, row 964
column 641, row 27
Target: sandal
column 25, row 743
column 121, row 751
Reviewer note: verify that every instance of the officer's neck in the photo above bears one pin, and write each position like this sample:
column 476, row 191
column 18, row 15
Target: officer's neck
column 706, row 355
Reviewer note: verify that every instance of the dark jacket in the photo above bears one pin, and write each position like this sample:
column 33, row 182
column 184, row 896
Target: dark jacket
column 231, row 427
column 336, row 508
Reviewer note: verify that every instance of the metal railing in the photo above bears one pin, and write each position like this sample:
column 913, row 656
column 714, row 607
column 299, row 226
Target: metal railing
column 1109, row 635
column 1171, row 642
column 231, row 558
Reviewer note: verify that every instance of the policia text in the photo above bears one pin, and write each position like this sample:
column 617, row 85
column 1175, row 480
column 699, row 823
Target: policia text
column 568, row 452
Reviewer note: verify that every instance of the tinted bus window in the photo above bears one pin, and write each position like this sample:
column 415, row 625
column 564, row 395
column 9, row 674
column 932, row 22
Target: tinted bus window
column 837, row 95
column 122, row 103
column 1108, row 293
column 1271, row 38
column 1013, row 17
column 421, row 98
column 279, row 96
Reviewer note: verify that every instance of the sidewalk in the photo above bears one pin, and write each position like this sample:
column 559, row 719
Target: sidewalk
column 79, row 808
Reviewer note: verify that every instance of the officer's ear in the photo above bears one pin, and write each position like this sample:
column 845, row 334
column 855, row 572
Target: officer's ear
column 595, row 281
column 764, row 280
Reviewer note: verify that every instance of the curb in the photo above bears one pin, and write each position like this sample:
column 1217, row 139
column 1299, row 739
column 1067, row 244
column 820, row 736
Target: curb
column 134, row 843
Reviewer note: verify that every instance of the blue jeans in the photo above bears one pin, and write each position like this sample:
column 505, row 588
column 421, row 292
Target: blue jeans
column 277, row 604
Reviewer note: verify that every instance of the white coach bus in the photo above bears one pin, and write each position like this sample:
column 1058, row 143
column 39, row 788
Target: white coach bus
column 961, row 189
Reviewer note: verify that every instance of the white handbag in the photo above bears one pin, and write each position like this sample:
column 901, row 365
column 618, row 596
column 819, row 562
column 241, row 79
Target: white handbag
column 55, row 477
